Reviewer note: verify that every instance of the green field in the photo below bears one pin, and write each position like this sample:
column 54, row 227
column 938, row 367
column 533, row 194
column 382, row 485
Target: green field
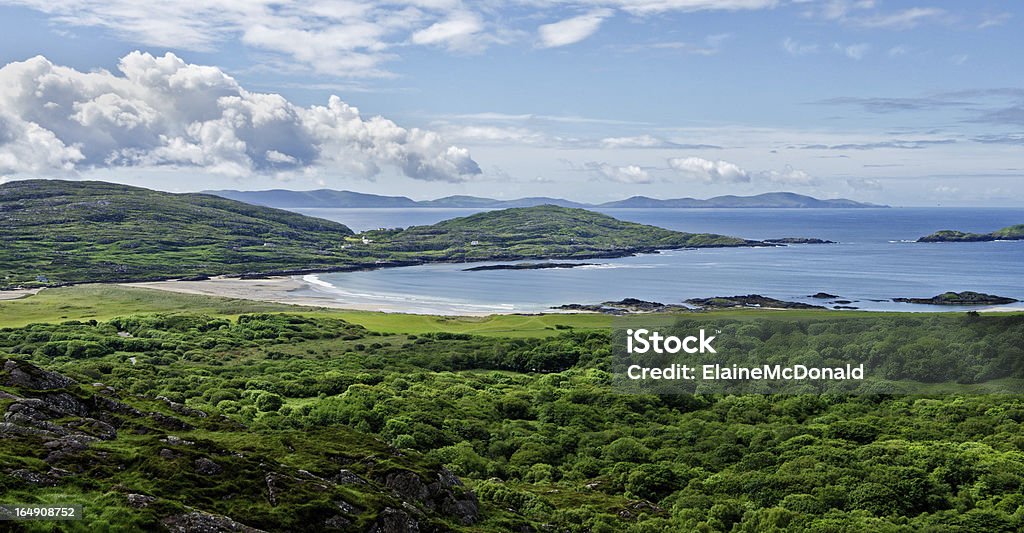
column 102, row 302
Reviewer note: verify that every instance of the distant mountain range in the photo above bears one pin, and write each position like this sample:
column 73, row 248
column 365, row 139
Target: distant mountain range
column 338, row 199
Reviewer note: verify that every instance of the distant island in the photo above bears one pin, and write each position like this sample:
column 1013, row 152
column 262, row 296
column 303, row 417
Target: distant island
column 66, row 232
column 1009, row 233
column 327, row 198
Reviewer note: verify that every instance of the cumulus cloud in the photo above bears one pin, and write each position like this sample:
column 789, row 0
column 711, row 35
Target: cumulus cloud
column 572, row 30
column 789, row 176
column 708, row 171
column 623, row 174
column 162, row 111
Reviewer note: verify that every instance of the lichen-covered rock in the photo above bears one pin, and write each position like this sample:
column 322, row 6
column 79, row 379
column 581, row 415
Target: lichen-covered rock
column 392, row 520
column 200, row 522
column 17, row 374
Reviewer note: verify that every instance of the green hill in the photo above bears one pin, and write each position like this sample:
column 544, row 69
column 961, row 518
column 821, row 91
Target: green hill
column 55, row 232
column 1009, row 233
column 545, row 231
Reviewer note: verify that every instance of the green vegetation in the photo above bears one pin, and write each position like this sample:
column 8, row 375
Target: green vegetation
column 532, row 425
column 103, row 302
column 62, row 232
column 545, row 231
column 1009, row 233
column 59, row 232
column 960, row 298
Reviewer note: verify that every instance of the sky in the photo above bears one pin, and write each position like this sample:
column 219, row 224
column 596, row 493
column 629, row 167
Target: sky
column 902, row 103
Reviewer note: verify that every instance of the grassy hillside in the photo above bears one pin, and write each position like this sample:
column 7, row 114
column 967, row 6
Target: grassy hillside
column 55, row 232
column 1009, row 233
column 64, row 232
column 545, row 231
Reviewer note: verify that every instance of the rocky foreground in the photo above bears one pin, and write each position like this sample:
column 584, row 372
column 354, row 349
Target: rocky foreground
column 166, row 467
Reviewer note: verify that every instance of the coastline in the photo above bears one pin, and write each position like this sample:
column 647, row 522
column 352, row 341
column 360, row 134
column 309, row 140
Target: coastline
column 306, row 290
column 310, row 291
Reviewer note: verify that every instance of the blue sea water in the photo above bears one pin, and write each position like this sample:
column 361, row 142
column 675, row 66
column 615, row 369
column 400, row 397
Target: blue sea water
column 875, row 258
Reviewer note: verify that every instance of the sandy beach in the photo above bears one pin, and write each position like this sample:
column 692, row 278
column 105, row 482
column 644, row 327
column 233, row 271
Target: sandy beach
column 282, row 289
column 306, row 291
column 275, row 289
column 17, row 293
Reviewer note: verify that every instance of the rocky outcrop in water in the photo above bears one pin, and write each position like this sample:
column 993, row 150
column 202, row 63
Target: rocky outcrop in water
column 749, row 300
column 960, row 298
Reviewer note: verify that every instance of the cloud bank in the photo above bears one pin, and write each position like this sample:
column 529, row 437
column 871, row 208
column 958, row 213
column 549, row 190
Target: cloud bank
column 162, row 111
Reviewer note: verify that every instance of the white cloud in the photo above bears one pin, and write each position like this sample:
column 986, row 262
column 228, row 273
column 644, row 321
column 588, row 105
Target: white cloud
column 636, row 141
column 796, row 48
column 709, row 171
column 908, row 18
column 471, row 133
column 458, row 32
column 853, row 51
column 864, row 13
column 789, row 176
column 864, row 184
column 898, row 50
column 344, row 38
column 992, row 20
column 161, row 111
column 572, row 30
column 623, row 174
column 645, row 7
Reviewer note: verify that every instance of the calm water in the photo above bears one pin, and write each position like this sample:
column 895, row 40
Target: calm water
column 874, row 260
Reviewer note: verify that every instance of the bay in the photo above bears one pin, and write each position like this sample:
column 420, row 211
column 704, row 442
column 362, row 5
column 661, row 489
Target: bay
column 875, row 258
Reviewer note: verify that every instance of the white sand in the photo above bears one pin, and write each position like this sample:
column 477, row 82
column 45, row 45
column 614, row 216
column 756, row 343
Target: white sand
column 17, row 293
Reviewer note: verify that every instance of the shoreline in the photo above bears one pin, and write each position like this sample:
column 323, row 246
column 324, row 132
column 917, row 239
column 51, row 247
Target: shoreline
column 17, row 294
column 309, row 291
column 283, row 290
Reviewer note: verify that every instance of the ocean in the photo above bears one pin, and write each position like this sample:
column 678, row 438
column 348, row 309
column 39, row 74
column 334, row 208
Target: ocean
column 874, row 260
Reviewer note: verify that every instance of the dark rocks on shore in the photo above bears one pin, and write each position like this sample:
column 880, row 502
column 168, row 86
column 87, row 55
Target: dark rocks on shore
column 824, row 296
column 960, row 298
column 526, row 266
column 195, row 278
column 798, row 240
column 625, row 306
column 749, row 300
column 844, row 307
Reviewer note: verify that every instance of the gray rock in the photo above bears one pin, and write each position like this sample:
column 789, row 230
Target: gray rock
column 203, row 522
column 139, row 501
column 21, row 374
column 392, row 520
column 206, row 467
column 346, row 477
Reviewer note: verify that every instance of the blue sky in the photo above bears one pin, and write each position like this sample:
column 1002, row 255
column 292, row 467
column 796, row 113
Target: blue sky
column 904, row 103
